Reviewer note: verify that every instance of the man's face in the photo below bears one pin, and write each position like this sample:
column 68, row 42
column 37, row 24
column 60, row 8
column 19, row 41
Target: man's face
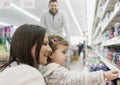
column 53, row 6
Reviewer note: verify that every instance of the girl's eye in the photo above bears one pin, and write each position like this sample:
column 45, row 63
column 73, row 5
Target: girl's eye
column 64, row 52
column 45, row 44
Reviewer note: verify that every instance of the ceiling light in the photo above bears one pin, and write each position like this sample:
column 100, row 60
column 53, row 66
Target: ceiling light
column 25, row 12
column 73, row 16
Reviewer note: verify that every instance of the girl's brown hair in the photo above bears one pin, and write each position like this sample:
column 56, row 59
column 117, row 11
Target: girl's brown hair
column 55, row 40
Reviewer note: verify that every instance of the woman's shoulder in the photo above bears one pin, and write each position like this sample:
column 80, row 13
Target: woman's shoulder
column 21, row 73
column 21, row 68
column 26, row 67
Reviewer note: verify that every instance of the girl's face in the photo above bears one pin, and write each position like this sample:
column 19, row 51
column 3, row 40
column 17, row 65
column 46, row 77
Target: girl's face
column 60, row 55
column 44, row 52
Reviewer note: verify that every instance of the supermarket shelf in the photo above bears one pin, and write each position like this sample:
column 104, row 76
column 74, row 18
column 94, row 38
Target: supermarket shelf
column 98, row 42
column 107, row 63
column 98, row 29
column 114, row 41
column 108, row 6
column 115, row 17
column 96, row 21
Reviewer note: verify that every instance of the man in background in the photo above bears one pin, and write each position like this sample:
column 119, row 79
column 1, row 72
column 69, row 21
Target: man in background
column 54, row 20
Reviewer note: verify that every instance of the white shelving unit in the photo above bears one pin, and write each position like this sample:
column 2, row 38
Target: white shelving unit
column 96, row 17
column 111, row 66
column 108, row 6
column 96, row 32
column 112, row 20
column 107, row 63
column 95, row 22
column 97, row 42
column 114, row 41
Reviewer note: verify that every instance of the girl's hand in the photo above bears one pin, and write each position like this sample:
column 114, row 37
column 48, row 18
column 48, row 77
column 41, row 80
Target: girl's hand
column 111, row 75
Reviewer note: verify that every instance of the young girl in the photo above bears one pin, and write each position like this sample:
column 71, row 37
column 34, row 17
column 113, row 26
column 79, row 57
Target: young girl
column 56, row 74
column 29, row 48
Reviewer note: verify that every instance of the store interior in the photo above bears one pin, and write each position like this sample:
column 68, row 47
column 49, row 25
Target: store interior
column 95, row 24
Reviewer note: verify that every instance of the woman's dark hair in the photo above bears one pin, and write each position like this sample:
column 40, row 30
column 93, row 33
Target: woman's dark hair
column 22, row 42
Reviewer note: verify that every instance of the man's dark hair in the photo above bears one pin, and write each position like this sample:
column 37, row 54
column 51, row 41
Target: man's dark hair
column 52, row 1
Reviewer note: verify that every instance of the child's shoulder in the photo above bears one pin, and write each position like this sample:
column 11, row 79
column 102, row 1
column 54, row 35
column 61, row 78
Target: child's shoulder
column 61, row 69
column 48, row 69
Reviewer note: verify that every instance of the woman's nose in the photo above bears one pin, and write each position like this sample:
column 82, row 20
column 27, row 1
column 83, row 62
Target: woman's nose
column 49, row 49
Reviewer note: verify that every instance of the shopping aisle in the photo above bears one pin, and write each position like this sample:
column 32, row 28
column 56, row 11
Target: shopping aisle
column 77, row 65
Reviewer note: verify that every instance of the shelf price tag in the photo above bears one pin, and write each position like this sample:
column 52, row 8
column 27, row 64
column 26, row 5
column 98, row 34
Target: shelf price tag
column 4, row 4
column 27, row 3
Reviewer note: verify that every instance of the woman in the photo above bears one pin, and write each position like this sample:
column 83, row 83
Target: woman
column 29, row 48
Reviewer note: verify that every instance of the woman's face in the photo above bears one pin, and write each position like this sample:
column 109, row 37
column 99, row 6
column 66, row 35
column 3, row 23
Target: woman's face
column 44, row 52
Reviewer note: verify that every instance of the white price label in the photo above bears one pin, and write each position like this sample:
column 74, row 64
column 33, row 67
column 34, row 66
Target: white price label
column 27, row 3
column 4, row 4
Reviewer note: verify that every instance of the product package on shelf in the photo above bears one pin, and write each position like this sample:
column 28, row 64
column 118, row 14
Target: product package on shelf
column 94, row 63
column 111, row 35
column 113, row 55
column 5, row 39
column 101, row 7
column 117, row 29
column 117, row 6
column 108, row 11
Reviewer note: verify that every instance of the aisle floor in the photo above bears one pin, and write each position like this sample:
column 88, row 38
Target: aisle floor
column 78, row 66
